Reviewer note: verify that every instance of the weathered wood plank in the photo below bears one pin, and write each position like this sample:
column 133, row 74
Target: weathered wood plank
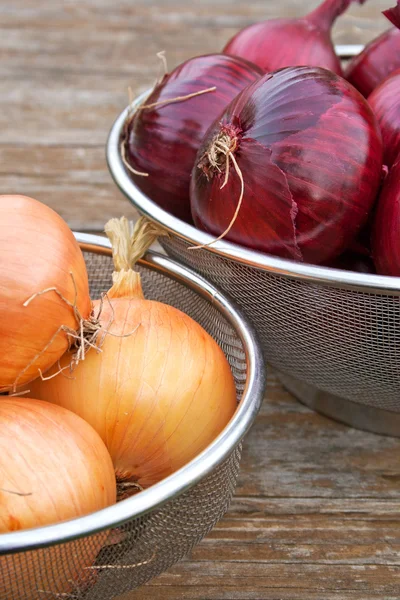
column 294, row 452
column 72, row 180
column 71, row 109
column 86, row 207
column 236, row 580
column 226, row 591
column 243, row 507
column 296, row 576
column 316, row 541
column 122, row 28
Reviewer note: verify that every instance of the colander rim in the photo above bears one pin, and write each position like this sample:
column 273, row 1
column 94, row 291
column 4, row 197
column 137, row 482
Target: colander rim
column 364, row 282
column 199, row 467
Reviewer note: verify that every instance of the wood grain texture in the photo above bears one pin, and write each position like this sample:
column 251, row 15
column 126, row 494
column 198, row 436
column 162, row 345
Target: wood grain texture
column 64, row 72
column 317, row 510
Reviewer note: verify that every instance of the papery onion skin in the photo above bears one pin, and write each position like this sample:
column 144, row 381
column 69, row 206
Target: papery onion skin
column 379, row 59
column 278, row 43
column 158, row 396
column 163, row 141
column 38, row 251
column 310, row 152
column 385, row 103
column 53, row 467
column 386, row 230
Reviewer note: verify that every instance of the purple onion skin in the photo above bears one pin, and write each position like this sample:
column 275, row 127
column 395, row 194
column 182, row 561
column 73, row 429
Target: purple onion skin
column 351, row 261
column 310, row 152
column 378, row 60
column 385, row 102
column 279, row 43
column 361, row 245
column 393, row 14
column 386, row 230
column 163, row 141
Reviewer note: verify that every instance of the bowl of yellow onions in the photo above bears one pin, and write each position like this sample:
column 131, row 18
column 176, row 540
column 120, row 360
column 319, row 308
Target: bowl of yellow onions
column 167, row 376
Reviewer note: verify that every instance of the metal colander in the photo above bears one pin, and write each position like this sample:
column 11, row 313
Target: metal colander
column 332, row 335
column 111, row 552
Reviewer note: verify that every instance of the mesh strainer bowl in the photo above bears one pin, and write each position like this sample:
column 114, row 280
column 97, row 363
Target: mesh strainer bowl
column 333, row 336
column 144, row 535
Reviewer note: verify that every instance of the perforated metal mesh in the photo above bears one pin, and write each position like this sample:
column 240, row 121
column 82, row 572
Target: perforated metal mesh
column 341, row 341
column 106, row 565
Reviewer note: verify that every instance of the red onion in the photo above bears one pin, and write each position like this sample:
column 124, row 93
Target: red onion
column 378, row 59
column 384, row 101
column 352, row 261
column 162, row 141
column 310, row 154
column 393, row 14
column 361, row 245
column 278, row 43
column 386, row 231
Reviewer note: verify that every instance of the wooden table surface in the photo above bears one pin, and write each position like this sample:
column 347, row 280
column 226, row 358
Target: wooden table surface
column 317, row 510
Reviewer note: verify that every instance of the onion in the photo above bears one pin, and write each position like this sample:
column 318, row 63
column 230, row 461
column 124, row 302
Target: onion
column 278, row 43
column 386, row 231
column 310, row 154
column 378, row 59
column 53, row 467
column 393, row 14
column 160, row 390
column 384, row 101
column 352, row 261
column 38, row 251
column 161, row 142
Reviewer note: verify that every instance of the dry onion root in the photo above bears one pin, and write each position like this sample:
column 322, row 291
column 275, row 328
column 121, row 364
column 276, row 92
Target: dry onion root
column 134, row 108
column 288, row 208
column 161, row 390
column 44, row 292
column 144, row 106
column 175, row 115
column 218, row 157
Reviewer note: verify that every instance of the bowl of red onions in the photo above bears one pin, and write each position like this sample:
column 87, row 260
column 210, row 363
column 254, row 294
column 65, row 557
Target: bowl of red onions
column 294, row 202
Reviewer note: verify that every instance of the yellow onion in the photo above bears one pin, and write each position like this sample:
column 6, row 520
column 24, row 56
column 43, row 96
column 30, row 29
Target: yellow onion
column 44, row 289
column 159, row 391
column 53, row 467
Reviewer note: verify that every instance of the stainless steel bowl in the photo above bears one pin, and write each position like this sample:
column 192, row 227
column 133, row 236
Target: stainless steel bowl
column 332, row 335
column 144, row 535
